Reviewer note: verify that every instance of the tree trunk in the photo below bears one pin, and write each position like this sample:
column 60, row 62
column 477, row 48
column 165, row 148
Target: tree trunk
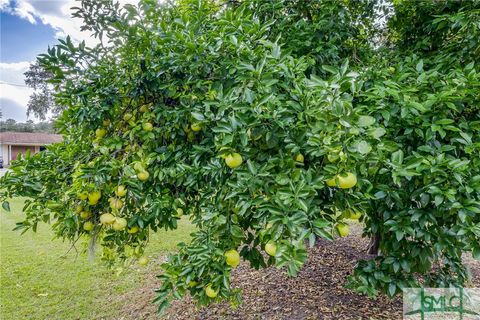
column 374, row 245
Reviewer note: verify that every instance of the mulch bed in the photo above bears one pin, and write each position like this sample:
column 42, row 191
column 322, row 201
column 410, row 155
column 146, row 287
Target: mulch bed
column 318, row 292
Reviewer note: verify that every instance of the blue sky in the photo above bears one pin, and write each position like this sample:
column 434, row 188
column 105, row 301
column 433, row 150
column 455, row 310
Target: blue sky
column 21, row 40
column 27, row 28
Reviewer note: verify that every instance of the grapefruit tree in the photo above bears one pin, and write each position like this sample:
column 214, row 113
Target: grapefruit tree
column 248, row 119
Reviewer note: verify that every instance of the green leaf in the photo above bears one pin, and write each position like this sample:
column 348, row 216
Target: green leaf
column 311, row 239
column 276, row 51
column 251, row 167
column 6, row 206
column 330, row 69
column 473, row 209
column 247, row 66
column 377, row 132
column 366, row 121
column 420, row 107
column 470, row 66
column 405, row 265
column 476, row 253
column 392, row 288
column 236, row 232
column 380, row 195
column 419, row 66
column 321, row 223
column 344, row 123
column 396, row 267
column 324, row 234
column 198, row 116
column 302, row 205
column 363, row 147
column 444, row 121
column 282, row 179
column 397, row 157
column 399, row 235
column 233, row 40
column 438, row 200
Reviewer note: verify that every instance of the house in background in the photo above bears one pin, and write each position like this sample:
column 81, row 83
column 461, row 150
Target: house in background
column 14, row 143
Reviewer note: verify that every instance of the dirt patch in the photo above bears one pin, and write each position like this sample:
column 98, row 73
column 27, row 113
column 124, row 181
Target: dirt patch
column 318, row 292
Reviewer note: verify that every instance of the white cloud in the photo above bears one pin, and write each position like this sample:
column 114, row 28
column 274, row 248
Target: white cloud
column 19, row 95
column 4, row 4
column 56, row 13
column 13, row 72
column 12, row 87
column 22, row 9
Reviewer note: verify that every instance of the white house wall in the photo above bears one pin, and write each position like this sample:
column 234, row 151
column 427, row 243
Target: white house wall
column 4, row 153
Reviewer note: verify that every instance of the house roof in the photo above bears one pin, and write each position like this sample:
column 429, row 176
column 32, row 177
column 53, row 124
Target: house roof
column 26, row 138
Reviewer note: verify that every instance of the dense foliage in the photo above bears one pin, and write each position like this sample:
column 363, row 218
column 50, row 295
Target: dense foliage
column 267, row 124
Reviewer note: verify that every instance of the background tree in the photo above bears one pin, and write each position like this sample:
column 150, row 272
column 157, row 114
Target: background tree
column 29, row 126
column 42, row 102
column 216, row 112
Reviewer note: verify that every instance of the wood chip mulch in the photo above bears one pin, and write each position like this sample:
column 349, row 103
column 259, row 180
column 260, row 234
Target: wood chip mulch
column 318, row 292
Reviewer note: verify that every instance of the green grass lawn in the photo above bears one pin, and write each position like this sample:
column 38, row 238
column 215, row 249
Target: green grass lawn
column 38, row 281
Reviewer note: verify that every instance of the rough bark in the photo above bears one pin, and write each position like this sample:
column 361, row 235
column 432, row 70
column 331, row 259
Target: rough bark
column 374, row 245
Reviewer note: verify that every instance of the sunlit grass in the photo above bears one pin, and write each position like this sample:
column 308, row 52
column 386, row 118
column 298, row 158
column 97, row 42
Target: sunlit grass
column 38, row 281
